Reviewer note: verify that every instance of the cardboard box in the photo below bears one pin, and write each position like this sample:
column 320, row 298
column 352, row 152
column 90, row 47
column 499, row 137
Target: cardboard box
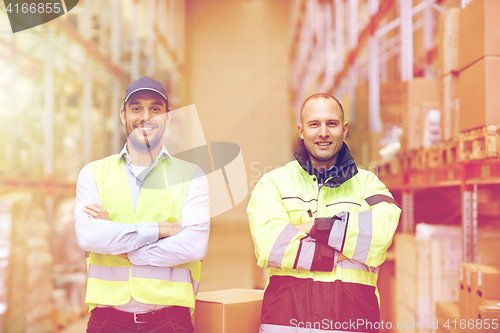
column 489, row 312
column 447, row 312
column 479, row 31
column 391, row 103
column 448, row 41
column 362, row 107
column 228, row 311
column 447, row 4
column 478, row 283
column 364, row 146
column 430, row 125
column 467, row 273
column 479, row 95
column 415, row 93
column 449, row 107
column 487, row 285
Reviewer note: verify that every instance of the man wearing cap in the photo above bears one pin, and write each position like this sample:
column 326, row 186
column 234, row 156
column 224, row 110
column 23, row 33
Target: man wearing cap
column 143, row 217
column 322, row 227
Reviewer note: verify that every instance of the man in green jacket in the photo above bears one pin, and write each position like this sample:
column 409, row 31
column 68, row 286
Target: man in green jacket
column 322, row 227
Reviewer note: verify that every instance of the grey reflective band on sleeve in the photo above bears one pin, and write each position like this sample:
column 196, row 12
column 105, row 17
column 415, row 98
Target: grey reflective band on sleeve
column 109, row 273
column 280, row 245
column 365, row 225
column 378, row 198
column 162, row 273
column 306, row 255
column 352, row 264
column 337, row 234
column 196, row 284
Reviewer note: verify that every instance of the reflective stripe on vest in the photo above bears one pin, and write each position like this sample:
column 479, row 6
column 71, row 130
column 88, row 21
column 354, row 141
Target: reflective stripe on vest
column 122, row 273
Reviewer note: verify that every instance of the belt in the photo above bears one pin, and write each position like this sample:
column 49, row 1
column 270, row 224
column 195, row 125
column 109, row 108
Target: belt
column 138, row 318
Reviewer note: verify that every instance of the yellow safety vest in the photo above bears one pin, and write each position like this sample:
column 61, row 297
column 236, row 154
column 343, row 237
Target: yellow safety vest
column 114, row 280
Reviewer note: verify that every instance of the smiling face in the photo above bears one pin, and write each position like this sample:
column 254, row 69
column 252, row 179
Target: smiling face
column 145, row 119
column 323, row 130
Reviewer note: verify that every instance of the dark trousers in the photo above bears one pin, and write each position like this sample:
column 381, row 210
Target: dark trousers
column 174, row 319
column 336, row 306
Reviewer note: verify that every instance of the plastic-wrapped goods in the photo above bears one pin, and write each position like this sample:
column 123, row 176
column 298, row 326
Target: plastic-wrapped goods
column 27, row 275
column 39, row 278
column 69, row 266
column 5, row 231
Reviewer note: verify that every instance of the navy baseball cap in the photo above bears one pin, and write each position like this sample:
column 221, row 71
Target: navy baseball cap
column 145, row 83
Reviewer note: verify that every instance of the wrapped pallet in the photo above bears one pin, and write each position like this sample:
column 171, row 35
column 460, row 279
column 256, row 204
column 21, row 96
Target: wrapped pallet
column 28, row 274
column 427, row 270
column 70, row 275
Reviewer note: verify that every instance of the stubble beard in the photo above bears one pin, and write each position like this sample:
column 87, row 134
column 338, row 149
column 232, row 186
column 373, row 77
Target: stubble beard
column 145, row 146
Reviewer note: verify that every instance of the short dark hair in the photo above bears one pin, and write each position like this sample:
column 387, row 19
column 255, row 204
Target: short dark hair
column 318, row 96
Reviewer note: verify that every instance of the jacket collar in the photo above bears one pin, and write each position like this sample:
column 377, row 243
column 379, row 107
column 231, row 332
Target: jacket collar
column 124, row 153
column 342, row 171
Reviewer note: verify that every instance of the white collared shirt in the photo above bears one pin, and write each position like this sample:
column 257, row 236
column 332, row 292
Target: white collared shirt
column 140, row 241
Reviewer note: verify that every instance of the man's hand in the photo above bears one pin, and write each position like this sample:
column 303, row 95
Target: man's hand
column 305, row 227
column 168, row 229
column 97, row 211
column 341, row 257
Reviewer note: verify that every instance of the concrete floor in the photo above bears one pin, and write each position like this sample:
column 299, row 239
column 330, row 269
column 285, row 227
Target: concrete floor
column 230, row 263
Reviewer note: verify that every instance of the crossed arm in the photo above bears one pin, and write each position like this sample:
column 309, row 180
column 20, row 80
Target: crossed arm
column 306, row 228
column 165, row 229
column 156, row 243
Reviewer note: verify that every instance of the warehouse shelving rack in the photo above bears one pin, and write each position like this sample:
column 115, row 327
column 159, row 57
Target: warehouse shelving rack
column 465, row 175
column 96, row 30
column 350, row 62
column 61, row 87
column 344, row 66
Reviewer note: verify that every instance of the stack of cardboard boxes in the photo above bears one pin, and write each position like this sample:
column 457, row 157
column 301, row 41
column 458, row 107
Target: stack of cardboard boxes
column 427, row 273
column 479, row 84
column 479, row 63
column 365, row 144
column 448, row 59
column 466, row 94
column 479, row 298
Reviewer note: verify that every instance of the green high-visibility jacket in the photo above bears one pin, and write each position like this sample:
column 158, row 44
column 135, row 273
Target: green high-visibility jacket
column 362, row 214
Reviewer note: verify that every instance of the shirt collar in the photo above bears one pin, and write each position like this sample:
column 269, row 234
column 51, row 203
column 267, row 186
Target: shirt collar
column 124, row 153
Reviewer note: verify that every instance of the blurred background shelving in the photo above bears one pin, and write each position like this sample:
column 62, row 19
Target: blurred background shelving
column 417, row 84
